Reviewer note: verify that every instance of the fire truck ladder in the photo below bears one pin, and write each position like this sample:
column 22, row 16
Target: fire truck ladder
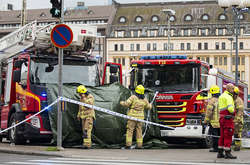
column 20, row 40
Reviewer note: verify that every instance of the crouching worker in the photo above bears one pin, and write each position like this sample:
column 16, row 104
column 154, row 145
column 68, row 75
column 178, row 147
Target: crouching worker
column 87, row 115
column 136, row 104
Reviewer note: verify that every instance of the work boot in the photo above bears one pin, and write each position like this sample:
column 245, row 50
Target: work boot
column 220, row 153
column 213, row 150
column 229, row 155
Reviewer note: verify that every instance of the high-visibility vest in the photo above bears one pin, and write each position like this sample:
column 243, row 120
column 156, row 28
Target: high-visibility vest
column 226, row 102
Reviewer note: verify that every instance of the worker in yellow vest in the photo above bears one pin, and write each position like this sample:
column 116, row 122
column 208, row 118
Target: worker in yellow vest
column 87, row 115
column 238, row 119
column 136, row 104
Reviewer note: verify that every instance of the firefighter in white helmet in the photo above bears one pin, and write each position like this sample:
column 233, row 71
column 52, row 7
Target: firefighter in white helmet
column 212, row 117
column 238, row 119
column 136, row 104
column 87, row 115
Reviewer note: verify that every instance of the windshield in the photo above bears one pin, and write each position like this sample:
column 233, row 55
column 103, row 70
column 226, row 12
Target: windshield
column 169, row 78
column 41, row 73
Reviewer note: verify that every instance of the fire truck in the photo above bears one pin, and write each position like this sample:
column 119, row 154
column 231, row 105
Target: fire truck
column 28, row 65
column 183, row 86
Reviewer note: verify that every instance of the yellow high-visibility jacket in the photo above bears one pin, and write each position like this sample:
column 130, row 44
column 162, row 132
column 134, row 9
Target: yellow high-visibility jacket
column 85, row 112
column 212, row 113
column 226, row 102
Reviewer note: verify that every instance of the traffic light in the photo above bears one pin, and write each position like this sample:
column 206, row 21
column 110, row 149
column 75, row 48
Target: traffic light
column 56, row 8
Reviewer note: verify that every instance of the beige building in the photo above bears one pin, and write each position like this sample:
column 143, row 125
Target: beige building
column 199, row 29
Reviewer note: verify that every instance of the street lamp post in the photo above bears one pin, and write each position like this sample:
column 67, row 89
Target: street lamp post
column 231, row 54
column 238, row 7
column 168, row 12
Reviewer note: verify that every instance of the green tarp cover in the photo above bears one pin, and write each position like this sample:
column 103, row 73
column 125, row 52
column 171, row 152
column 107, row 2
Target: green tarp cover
column 108, row 131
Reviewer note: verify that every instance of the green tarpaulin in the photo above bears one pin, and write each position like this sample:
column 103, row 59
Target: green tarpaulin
column 108, row 131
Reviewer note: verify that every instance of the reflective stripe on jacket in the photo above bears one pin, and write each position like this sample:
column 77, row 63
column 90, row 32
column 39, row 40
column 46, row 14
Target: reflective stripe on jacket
column 226, row 102
column 212, row 113
column 136, row 106
column 85, row 112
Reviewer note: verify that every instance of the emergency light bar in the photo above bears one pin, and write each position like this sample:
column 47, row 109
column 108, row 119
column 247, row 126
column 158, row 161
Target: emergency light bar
column 170, row 57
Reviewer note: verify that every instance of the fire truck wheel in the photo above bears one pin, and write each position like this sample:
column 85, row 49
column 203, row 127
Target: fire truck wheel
column 13, row 136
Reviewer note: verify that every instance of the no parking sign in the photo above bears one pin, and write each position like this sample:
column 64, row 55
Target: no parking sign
column 61, row 36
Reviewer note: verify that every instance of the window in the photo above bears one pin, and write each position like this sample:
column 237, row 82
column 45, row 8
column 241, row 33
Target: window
column 119, row 60
column 204, row 71
column 138, row 19
column 241, row 16
column 215, row 60
column 116, row 47
column 185, row 32
column 207, row 59
column 24, row 73
column 114, row 60
column 188, row 17
column 206, row 46
column 154, row 46
column 165, row 46
column 223, row 45
column 152, row 33
column 135, row 33
column 242, row 75
column 199, row 46
column 220, row 32
column 123, row 61
column 233, row 60
column 122, row 19
column 9, row 6
column 234, row 45
column 220, row 60
column 188, row 46
column 205, row 17
column 241, row 45
column 120, row 34
column 171, row 46
column 203, row 32
column 132, row 47
column 222, row 17
column 172, row 18
column 137, row 47
column 155, row 18
column 148, row 46
column 225, row 60
column 121, row 47
column 217, row 46
column 182, row 46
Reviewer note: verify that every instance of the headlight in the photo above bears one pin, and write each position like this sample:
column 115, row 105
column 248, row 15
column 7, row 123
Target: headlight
column 35, row 122
column 193, row 122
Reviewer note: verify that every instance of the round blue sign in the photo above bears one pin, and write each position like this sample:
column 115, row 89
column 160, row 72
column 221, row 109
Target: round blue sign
column 61, row 36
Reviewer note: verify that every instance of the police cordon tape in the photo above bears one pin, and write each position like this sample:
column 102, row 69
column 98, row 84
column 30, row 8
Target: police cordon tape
column 113, row 113
column 21, row 122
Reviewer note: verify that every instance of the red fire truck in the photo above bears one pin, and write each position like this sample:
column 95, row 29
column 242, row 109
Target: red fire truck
column 26, row 76
column 183, row 92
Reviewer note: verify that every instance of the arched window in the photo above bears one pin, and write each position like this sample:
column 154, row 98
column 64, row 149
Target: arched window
column 188, row 17
column 155, row 18
column 42, row 14
column 138, row 19
column 222, row 17
column 172, row 18
column 241, row 17
column 122, row 19
column 205, row 17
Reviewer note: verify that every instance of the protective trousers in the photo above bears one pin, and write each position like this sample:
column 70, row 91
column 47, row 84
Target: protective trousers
column 87, row 125
column 215, row 132
column 226, row 133
column 238, row 126
column 131, row 125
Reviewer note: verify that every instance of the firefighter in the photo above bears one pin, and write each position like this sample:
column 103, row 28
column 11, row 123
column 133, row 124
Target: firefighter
column 238, row 120
column 226, row 107
column 212, row 117
column 136, row 104
column 87, row 115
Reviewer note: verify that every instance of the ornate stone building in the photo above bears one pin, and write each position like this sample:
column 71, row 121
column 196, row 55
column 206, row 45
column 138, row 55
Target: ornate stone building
column 199, row 29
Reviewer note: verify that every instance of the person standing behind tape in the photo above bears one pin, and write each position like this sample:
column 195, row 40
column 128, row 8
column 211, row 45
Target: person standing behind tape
column 238, row 120
column 136, row 104
column 212, row 117
column 87, row 115
column 226, row 107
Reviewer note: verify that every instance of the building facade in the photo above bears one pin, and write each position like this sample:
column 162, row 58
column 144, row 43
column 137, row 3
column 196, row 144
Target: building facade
column 199, row 29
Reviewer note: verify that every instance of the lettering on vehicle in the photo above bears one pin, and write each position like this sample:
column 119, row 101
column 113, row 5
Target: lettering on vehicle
column 164, row 97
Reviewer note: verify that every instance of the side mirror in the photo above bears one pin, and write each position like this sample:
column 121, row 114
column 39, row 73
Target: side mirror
column 17, row 75
column 113, row 68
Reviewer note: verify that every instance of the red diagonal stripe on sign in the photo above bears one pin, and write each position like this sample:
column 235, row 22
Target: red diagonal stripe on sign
column 61, row 35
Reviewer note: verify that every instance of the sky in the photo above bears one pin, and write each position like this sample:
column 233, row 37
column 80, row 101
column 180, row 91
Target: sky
column 38, row 4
